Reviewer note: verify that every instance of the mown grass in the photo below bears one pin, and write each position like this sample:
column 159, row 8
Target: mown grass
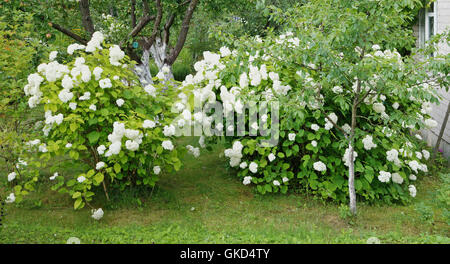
column 204, row 203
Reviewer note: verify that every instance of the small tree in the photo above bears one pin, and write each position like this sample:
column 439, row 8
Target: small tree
column 350, row 104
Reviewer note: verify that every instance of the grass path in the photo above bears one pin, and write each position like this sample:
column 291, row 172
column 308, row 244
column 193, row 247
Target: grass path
column 204, row 203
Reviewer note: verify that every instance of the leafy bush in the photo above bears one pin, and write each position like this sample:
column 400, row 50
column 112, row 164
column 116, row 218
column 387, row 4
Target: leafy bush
column 339, row 87
column 97, row 112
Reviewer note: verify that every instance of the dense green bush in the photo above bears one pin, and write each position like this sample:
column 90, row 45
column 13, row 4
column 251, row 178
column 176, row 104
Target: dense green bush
column 97, row 112
column 338, row 84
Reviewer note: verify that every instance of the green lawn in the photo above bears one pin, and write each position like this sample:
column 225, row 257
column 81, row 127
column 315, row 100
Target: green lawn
column 204, row 203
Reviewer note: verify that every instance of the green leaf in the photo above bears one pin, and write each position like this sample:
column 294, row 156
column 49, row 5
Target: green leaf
column 117, row 167
column 93, row 137
column 78, row 203
column 98, row 178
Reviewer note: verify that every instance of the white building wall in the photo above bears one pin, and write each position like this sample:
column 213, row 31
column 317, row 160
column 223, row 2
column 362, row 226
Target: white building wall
column 442, row 10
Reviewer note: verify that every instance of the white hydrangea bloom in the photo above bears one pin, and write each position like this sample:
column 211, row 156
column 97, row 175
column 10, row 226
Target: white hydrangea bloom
column 315, row 127
column 384, row 176
column 93, row 107
column 97, row 73
column 156, row 170
column 291, row 136
column 337, row 89
column 271, row 157
column 396, row 178
column 115, row 55
column 169, row 130
column 12, row 176
column 100, row 165
column 426, row 154
column 148, row 124
column 120, row 102
column 379, row 108
column 319, row 166
column 65, row 95
column 225, row 51
column 414, row 165
column 430, row 123
column 101, row 149
column 276, row 183
column 81, row 179
column 285, row 179
column 314, row 143
column 329, row 125
column 253, row 167
column 368, row 143
column 247, row 180
column 11, row 198
column 86, row 96
column 167, row 144
column 412, row 177
column 193, row 150
column 395, row 105
column 68, row 145
column 346, row 157
column 412, row 190
column 243, row 80
column 150, row 89
column 97, row 214
column 105, row 83
column 54, row 176
column 243, row 165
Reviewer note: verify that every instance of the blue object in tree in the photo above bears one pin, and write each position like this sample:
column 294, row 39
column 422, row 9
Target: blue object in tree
column 135, row 45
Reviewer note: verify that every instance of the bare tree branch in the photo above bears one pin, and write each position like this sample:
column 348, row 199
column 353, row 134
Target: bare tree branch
column 142, row 23
column 133, row 13
column 183, row 32
column 68, row 33
column 86, row 16
column 149, row 42
column 167, row 26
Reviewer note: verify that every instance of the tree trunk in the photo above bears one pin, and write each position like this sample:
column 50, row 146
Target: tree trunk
column 351, row 181
column 143, row 70
column 441, row 132
column 159, row 54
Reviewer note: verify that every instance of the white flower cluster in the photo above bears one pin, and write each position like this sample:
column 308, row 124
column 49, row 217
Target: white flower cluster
column 97, row 214
column 392, row 156
column 320, row 166
column 234, row 153
column 253, row 167
column 247, row 180
column 329, row 125
column 12, row 176
column 412, row 190
column 11, row 198
column 193, row 150
column 397, row 178
column 32, row 88
column 100, row 165
column 134, row 139
column 368, row 142
column 115, row 55
column 384, row 176
column 95, row 42
column 346, row 158
column 148, row 124
column 167, row 144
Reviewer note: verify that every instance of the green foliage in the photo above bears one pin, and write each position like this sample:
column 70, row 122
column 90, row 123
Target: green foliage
column 83, row 115
column 330, row 49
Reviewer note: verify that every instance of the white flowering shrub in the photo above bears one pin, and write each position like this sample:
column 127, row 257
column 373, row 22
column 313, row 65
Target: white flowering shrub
column 97, row 112
column 334, row 91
